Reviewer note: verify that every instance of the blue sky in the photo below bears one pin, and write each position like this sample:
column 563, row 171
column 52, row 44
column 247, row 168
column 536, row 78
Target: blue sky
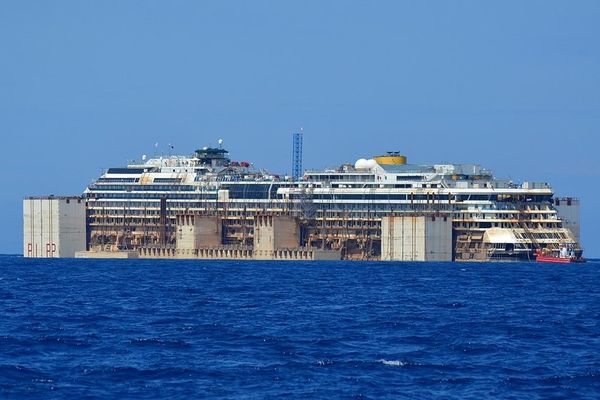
column 513, row 85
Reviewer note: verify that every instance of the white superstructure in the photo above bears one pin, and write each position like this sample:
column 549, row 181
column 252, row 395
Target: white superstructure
column 137, row 206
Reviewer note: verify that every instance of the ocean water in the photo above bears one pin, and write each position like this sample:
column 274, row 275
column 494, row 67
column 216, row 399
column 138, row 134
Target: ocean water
column 74, row 329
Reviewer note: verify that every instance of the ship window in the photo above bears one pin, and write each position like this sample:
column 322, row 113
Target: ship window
column 125, row 171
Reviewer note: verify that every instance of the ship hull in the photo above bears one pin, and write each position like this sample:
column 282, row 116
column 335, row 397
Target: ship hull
column 558, row 260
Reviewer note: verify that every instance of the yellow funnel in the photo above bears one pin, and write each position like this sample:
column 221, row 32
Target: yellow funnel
column 390, row 159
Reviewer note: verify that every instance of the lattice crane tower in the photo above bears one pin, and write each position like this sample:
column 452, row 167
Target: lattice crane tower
column 297, row 154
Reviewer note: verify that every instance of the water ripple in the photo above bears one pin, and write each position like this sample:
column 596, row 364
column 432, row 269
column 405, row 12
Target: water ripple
column 222, row 329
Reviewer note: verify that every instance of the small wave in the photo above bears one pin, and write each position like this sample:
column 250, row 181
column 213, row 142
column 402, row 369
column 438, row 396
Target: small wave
column 454, row 304
column 20, row 373
column 168, row 321
column 323, row 363
column 127, row 373
column 50, row 340
column 42, row 380
column 392, row 363
column 159, row 342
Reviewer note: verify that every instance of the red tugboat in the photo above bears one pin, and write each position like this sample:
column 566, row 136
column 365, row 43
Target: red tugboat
column 565, row 255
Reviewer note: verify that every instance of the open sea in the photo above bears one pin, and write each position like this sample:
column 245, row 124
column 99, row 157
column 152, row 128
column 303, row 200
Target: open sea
column 154, row 329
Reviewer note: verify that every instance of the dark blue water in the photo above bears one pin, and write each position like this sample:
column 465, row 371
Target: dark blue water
column 184, row 329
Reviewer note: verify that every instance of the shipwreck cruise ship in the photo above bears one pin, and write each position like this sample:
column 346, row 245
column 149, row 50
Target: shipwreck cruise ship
column 365, row 210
